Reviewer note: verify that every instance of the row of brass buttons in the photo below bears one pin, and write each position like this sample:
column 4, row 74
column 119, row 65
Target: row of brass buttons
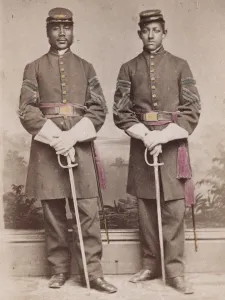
column 153, row 87
column 63, row 79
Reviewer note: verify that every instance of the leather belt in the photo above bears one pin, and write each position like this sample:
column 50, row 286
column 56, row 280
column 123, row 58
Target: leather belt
column 154, row 116
column 59, row 109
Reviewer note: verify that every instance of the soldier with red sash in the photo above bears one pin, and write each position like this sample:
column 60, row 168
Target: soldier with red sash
column 157, row 104
column 62, row 106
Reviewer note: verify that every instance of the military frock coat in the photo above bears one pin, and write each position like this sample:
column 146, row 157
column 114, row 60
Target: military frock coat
column 161, row 82
column 60, row 79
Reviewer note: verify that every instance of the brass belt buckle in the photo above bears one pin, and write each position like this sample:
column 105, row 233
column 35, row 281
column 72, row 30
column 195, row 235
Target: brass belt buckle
column 151, row 116
column 66, row 110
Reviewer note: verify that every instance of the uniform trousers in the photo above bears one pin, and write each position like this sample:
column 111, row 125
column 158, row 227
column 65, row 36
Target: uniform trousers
column 56, row 235
column 173, row 236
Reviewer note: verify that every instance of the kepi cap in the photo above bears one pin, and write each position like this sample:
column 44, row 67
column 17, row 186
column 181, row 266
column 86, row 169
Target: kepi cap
column 151, row 15
column 60, row 15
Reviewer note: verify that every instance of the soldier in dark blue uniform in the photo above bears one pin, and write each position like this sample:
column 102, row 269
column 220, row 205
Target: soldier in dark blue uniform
column 158, row 105
column 62, row 106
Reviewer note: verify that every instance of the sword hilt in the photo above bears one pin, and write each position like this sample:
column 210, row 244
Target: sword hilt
column 155, row 160
column 69, row 163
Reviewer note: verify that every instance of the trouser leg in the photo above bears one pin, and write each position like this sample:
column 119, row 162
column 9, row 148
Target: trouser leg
column 173, row 235
column 90, row 226
column 148, row 230
column 56, row 234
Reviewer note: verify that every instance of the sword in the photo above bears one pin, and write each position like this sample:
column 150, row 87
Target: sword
column 100, row 192
column 70, row 166
column 156, row 165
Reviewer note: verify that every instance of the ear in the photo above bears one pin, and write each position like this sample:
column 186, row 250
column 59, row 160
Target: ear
column 139, row 34
column 165, row 34
column 47, row 30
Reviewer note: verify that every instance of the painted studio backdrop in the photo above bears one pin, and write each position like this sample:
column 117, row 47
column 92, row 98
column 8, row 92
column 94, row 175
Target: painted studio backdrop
column 106, row 35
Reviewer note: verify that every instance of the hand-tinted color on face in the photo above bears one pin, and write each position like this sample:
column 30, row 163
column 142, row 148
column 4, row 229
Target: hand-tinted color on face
column 60, row 35
column 152, row 35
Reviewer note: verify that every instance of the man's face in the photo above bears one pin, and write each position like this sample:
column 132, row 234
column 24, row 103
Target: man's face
column 152, row 35
column 60, row 35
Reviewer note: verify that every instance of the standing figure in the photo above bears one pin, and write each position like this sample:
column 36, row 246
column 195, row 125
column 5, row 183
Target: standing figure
column 62, row 106
column 157, row 104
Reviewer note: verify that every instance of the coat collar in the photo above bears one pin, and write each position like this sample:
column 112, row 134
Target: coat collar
column 55, row 52
column 158, row 51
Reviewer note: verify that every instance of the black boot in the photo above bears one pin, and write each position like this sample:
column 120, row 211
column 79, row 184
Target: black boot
column 100, row 284
column 143, row 275
column 57, row 280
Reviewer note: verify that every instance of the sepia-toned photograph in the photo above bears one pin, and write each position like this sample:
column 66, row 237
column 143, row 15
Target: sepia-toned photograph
column 112, row 149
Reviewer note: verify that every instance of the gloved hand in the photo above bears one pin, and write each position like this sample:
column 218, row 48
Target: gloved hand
column 50, row 134
column 64, row 142
column 156, row 150
column 71, row 154
column 170, row 133
column 154, row 138
column 83, row 131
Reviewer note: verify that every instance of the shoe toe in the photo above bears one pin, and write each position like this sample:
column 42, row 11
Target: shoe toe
column 102, row 285
column 142, row 275
column 179, row 284
column 54, row 285
column 57, row 280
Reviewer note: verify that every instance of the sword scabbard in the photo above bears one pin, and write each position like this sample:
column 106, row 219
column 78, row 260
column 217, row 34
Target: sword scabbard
column 100, row 192
column 194, row 227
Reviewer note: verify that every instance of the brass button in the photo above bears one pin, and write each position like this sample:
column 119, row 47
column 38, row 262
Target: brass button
column 152, row 78
column 153, row 87
column 64, row 92
column 155, row 104
column 61, row 62
column 64, row 101
column 152, row 56
column 63, row 76
column 152, row 64
column 62, row 69
column 152, row 70
column 154, row 96
column 63, row 84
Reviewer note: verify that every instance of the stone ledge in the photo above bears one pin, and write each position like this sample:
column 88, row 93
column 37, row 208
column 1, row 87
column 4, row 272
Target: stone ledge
column 23, row 236
column 26, row 255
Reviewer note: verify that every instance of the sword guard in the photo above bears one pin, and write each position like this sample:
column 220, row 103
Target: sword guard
column 155, row 160
column 69, row 163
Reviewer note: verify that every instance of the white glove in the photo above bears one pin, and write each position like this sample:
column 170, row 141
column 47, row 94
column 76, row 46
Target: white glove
column 71, row 154
column 170, row 133
column 48, row 132
column 83, row 131
column 138, row 131
column 174, row 132
column 156, row 150
column 63, row 143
